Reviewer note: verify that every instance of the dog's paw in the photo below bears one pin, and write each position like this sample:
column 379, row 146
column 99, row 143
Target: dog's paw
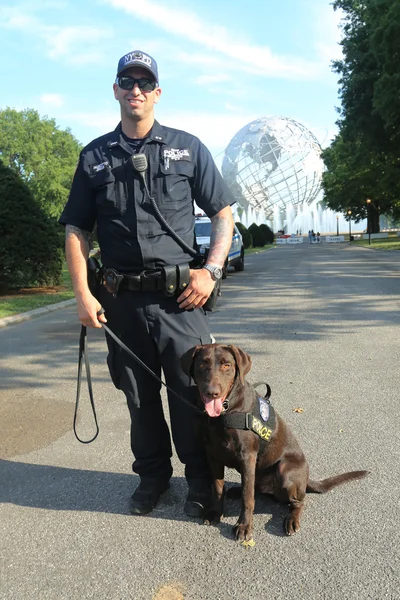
column 243, row 532
column 212, row 517
column 291, row 525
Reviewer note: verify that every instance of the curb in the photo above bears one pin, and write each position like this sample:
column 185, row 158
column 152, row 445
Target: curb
column 37, row 312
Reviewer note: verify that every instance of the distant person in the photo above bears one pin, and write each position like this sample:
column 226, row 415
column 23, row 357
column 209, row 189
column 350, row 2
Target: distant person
column 318, row 236
column 309, row 236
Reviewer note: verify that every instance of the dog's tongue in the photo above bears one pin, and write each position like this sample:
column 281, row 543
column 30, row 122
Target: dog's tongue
column 213, row 407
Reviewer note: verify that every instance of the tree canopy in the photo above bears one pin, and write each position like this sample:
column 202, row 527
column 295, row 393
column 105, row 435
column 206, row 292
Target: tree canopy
column 44, row 156
column 363, row 160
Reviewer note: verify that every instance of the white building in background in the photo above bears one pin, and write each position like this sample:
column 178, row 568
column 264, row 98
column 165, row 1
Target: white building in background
column 274, row 168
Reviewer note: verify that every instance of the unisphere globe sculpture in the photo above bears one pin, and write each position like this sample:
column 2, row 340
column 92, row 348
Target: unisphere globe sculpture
column 273, row 161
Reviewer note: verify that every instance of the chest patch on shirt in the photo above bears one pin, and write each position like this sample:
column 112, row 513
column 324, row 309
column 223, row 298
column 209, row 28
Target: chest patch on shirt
column 175, row 154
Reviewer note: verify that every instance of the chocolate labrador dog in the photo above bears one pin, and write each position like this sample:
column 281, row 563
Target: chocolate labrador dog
column 245, row 433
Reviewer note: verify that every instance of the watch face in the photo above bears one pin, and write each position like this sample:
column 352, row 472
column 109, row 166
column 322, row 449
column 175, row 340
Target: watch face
column 217, row 273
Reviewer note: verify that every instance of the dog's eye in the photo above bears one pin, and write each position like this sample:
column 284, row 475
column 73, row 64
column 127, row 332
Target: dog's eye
column 226, row 366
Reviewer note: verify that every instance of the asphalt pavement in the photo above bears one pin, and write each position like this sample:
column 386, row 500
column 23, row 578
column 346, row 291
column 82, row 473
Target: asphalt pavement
column 321, row 323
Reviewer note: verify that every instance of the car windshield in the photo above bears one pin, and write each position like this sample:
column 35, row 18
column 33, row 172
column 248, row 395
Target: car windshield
column 203, row 229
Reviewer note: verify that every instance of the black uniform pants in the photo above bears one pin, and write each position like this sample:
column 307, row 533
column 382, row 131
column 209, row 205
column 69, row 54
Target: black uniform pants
column 158, row 332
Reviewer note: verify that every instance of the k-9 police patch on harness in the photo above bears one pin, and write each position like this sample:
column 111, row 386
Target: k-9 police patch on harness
column 175, row 154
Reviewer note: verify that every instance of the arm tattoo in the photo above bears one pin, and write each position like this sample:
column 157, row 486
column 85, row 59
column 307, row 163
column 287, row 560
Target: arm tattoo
column 221, row 238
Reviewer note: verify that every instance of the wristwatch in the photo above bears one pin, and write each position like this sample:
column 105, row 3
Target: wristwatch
column 216, row 272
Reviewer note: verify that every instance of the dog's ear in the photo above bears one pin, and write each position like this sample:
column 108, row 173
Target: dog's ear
column 187, row 360
column 243, row 361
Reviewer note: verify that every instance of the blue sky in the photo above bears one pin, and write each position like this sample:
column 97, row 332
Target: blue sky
column 221, row 63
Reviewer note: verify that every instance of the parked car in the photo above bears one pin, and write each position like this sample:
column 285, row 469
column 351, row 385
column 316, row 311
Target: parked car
column 236, row 252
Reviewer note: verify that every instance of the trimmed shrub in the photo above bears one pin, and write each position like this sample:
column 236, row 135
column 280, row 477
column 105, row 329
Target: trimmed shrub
column 30, row 240
column 268, row 234
column 246, row 235
column 257, row 235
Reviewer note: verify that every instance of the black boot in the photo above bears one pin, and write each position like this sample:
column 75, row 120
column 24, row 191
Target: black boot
column 199, row 498
column 147, row 494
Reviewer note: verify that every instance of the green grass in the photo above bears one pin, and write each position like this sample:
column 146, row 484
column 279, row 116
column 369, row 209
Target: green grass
column 390, row 243
column 258, row 249
column 28, row 299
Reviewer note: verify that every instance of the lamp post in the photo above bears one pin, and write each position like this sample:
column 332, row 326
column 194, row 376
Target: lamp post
column 337, row 225
column 368, row 201
column 349, row 213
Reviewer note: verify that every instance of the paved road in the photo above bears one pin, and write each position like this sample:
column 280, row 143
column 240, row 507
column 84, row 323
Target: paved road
column 322, row 326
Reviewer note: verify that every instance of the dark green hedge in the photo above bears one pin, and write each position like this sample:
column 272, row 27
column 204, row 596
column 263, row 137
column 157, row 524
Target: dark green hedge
column 30, row 240
column 246, row 236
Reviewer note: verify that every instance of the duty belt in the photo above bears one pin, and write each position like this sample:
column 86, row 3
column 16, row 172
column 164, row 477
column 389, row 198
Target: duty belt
column 169, row 279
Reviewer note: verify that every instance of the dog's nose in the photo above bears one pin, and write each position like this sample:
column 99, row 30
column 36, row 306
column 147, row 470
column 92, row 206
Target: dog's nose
column 213, row 393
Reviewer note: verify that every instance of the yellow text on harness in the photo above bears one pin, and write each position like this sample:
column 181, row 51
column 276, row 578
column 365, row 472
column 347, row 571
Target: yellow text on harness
column 260, row 429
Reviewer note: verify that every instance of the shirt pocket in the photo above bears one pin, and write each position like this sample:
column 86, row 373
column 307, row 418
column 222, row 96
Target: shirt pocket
column 109, row 188
column 174, row 183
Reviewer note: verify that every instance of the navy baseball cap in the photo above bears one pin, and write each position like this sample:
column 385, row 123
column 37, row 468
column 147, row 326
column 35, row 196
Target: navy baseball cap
column 137, row 58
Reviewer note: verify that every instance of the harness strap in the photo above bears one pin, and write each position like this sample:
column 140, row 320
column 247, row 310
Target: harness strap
column 236, row 420
column 261, row 420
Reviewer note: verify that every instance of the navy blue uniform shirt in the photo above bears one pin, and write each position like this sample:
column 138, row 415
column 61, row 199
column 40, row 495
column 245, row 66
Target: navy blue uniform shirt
column 106, row 189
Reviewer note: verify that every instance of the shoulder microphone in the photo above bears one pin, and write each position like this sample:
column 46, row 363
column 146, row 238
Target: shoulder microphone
column 139, row 162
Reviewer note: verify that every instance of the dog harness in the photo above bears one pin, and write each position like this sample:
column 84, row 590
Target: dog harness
column 261, row 420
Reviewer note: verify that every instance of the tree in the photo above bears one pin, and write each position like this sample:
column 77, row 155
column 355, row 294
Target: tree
column 363, row 160
column 30, row 253
column 385, row 43
column 43, row 156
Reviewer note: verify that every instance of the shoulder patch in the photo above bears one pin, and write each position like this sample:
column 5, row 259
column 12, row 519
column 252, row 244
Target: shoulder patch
column 100, row 167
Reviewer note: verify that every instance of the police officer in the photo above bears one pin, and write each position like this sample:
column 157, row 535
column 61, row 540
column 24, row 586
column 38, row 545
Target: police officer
column 137, row 250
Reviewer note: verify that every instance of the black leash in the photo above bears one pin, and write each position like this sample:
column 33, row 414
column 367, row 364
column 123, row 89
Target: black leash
column 83, row 353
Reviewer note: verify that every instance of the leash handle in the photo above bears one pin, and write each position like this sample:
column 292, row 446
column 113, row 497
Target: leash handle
column 83, row 354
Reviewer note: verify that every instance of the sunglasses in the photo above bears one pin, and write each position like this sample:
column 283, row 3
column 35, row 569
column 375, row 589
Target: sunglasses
column 145, row 84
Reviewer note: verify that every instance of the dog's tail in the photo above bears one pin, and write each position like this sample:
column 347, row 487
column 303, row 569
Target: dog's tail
column 320, row 487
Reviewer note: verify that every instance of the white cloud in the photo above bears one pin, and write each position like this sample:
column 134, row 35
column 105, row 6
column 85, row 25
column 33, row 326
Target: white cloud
column 63, row 41
column 216, row 78
column 52, row 99
column 217, row 39
column 73, row 44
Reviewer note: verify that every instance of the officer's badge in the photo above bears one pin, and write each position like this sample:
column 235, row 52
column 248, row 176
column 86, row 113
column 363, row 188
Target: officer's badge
column 264, row 409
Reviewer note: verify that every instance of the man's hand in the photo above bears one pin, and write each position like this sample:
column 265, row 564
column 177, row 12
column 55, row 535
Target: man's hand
column 88, row 307
column 197, row 292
